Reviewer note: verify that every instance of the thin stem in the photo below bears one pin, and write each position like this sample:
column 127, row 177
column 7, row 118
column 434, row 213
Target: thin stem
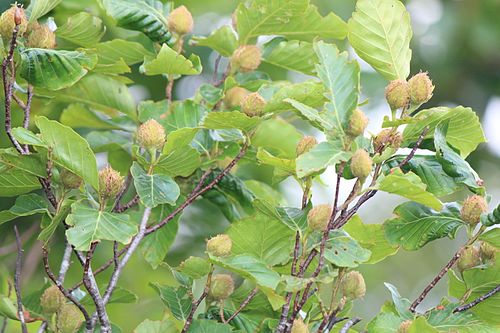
column 478, row 300
column 121, row 208
column 27, row 113
column 349, row 324
column 221, row 311
column 414, row 150
column 216, row 68
column 64, row 291
column 196, row 303
column 65, row 262
column 17, row 281
column 243, row 304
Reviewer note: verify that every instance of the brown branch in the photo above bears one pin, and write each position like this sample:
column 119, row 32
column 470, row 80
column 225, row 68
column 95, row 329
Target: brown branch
column 478, row 300
column 216, row 68
column 243, row 304
column 196, row 303
column 27, row 113
column 121, row 208
column 17, row 281
column 349, row 324
column 414, row 149
column 64, row 291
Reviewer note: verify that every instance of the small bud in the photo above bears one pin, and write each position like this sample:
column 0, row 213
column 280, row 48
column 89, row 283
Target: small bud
column 220, row 246
column 405, row 326
column 69, row 319
column 234, row 96
column 397, row 94
column 357, row 123
column 52, row 300
column 40, row 36
column 110, row 182
column 472, row 208
column 70, row 180
column 222, row 286
column 487, row 253
column 318, row 217
column 305, row 144
column 361, row 164
column 253, row 105
column 299, row 326
column 469, row 258
column 180, row 21
column 246, row 58
column 353, row 285
column 10, row 18
column 421, row 88
column 387, row 138
column 151, row 135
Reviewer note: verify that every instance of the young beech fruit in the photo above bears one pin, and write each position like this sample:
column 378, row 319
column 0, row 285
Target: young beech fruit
column 353, row 285
column 469, row 257
column 220, row 246
column 253, row 105
column 151, row 135
column 305, row 144
column 246, row 58
column 357, row 123
column 221, row 287
column 234, row 96
column 299, row 326
column 487, row 253
column 387, row 138
column 397, row 94
column 361, row 164
column 180, row 21
column 40, row 36
column 472, row 208
column 404, row 327
column 70, row 180
column 69, row 319
column 421, row 88
column 318, row 217
column 110, row 182
column 52, row 300
column 8, row 20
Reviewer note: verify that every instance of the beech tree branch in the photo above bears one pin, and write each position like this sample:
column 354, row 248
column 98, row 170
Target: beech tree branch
column 243, row 304
column 17, row 281
column 478, row 300
column 350, row 323
column 196, row 303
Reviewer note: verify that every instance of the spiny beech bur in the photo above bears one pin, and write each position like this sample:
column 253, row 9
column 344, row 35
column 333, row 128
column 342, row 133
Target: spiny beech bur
column 88, row 173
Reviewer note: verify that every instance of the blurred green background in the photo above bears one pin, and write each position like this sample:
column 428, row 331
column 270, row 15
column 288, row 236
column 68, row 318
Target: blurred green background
column 457, row 42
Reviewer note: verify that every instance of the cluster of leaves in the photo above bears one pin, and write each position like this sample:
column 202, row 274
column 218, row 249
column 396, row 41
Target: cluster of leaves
column 289, row 275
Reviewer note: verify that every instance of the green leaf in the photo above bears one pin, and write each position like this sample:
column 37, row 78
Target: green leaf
column 146, row 16
column 27, row 137
column 209, row 326
column 401, row 305
column 325, row 154
column 491, row 236
column 477, row 282
column 491, row 218
column 317, row 119
column 182, row 161
column 228, row 120
column 292, row 55
column 222, row 40
column 454, row 165
column 421, row 325
column 194, row 267
column 48, row 230
column 32, row 163
column 430, row 171
column 119, row 296
column 68, row 149
column 112, row 51
column 154, row 248
column 385, row 322
column 251, row 268
column 444, row 320
column 308, row 92
column 77, row 115
column 54, row 69
column 7, row 308
column 408, row 185
column 183, row 114
column 415, row 225
column 265, row 157
column 90, row 225
column 25, row 205
column 380, row 33
column 170, row 62
column 39, row 8
column 370, row 237
column 14, row 182
column 296, row 19
column 154, row 190
column 343, row 251
column 464, row 128
column 101, row 93
column 82, row 29
column 293, row 218
column 179, row 138
column 278, row 136
column 176, row 299
column 149, row 326
column 262, row 237
column 341, row 79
